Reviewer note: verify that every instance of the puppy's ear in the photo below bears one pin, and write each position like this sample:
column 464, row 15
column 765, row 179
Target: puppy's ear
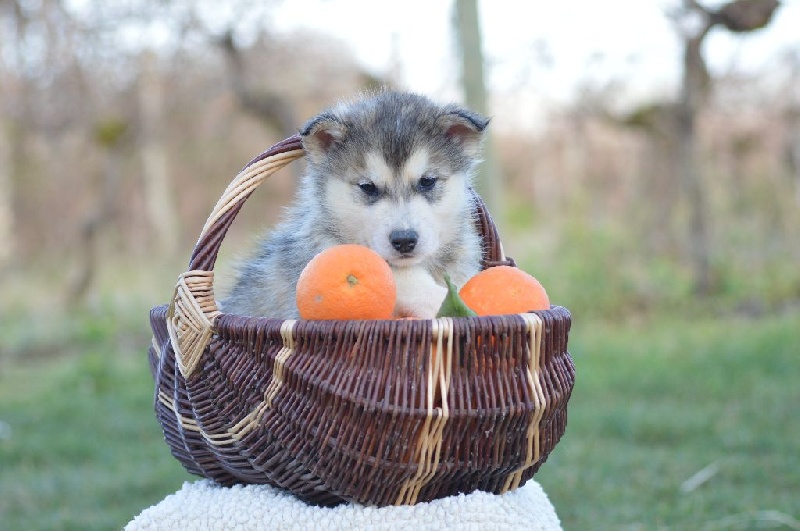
column 320, row 134
column 464, row 127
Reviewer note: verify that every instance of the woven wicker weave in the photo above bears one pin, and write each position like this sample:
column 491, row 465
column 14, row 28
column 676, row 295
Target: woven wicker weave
column 376, row 412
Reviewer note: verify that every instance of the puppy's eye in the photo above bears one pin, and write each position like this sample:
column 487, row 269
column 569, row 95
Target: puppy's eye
column 426, row 183
column 369, row 189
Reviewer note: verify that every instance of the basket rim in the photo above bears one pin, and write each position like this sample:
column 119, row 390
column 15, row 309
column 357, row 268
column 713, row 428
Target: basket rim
column 474, row 318
column 265, row 321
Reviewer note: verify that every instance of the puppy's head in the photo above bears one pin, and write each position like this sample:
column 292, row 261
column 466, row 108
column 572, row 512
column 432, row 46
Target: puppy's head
column 392, row 173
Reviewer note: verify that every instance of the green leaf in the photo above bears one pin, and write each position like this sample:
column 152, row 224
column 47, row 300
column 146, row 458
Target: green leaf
column 453, row 305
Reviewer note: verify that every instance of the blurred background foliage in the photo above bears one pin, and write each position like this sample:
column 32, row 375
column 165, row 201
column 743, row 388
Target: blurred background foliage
column 641, row 219
column 115, row 148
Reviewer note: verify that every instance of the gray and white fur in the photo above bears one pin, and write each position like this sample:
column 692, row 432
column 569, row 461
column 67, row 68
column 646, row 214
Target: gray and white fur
column 389, row 171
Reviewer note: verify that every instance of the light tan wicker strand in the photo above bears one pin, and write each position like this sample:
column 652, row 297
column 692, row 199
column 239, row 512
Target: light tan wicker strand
column 429, row 445
column 191, row 424
column 185, row 422
column 156, row 347
column 275, row 385
column 534, row 328
column 190, row 318
column 234, row 433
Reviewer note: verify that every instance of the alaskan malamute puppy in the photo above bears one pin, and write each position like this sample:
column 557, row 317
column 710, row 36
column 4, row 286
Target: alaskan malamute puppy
column 391, row 172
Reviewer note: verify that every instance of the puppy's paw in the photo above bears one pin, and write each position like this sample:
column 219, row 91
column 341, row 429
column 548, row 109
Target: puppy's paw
column 418, row 294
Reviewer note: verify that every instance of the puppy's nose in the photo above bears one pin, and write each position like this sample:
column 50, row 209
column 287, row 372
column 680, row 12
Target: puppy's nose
column 403, row 240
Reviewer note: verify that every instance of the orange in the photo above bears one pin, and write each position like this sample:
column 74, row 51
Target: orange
column 504, row 289
column 346, row 282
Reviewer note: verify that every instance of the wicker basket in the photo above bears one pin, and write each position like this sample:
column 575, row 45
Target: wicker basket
column 376, row 412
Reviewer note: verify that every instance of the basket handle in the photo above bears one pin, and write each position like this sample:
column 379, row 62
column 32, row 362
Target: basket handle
column 233, row 198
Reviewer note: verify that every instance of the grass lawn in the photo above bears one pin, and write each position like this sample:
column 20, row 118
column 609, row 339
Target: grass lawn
column 80, row 447
column 653, row 405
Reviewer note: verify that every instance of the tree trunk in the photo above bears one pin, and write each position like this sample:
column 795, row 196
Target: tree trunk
column 156, row 182
column 694, row 96
column 795, row 154
column 272, row 109
column 793, row 115
column 695, row 193
column 468, row 32
column 739, row 16
column 94, row 225
column 7, row 236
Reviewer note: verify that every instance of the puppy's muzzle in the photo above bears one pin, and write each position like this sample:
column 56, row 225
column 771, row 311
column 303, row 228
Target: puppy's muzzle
column 403, row 241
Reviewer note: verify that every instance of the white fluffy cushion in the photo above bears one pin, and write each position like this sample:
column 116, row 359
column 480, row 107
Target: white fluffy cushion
column 205, row 505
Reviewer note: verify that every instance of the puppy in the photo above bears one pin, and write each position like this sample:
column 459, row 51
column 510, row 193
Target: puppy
column 391, row 172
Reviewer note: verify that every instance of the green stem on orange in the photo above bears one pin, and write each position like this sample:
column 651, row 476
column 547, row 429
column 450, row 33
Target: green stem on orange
column 453, row 305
